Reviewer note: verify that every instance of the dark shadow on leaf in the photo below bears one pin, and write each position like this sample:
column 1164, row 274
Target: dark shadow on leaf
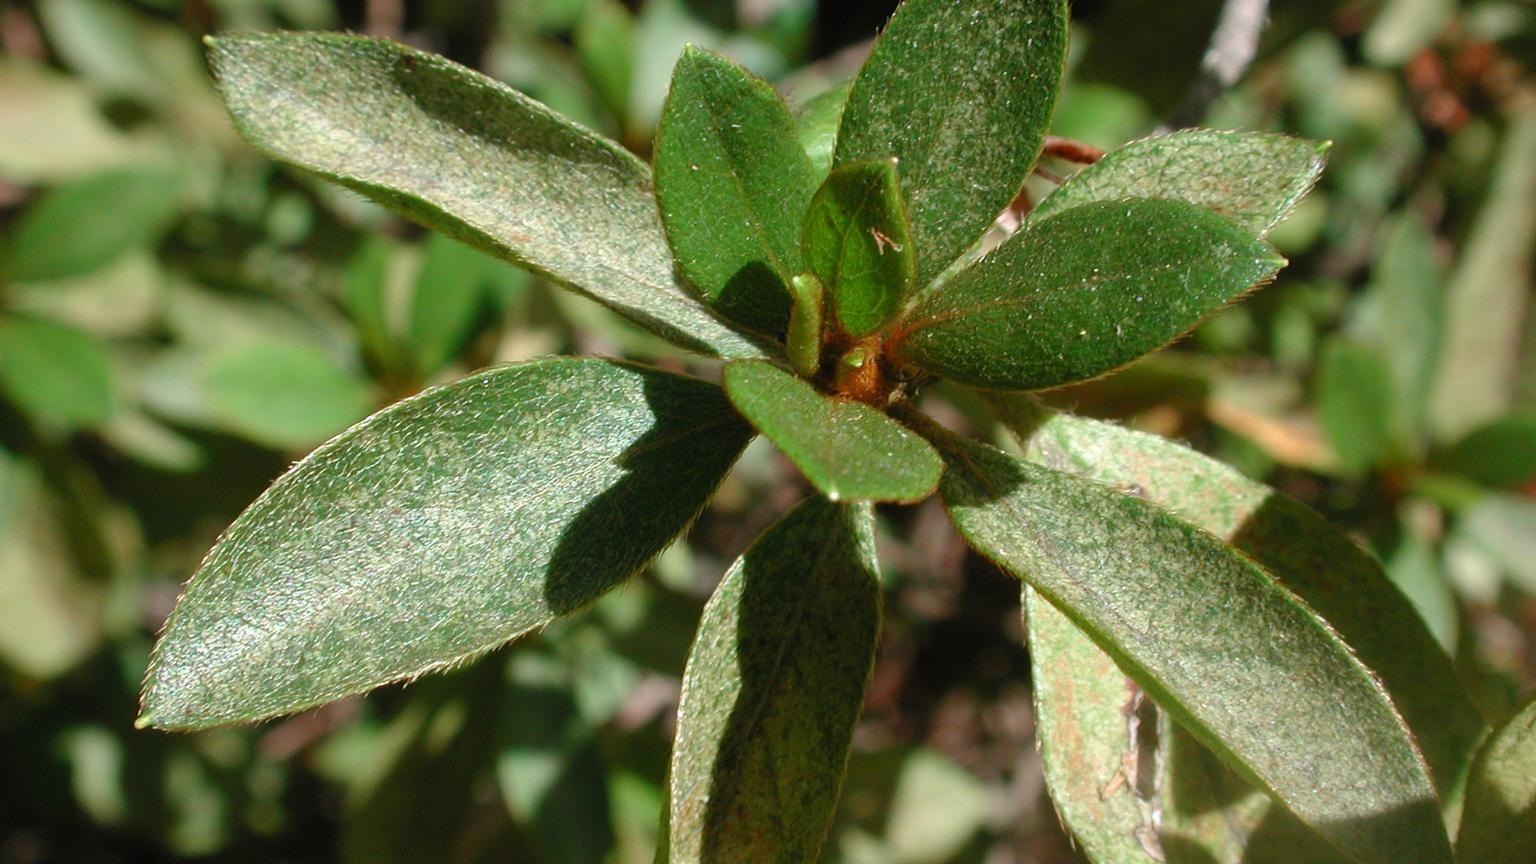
column 1196, row 781
column 807, row 626
column 1198, row 784
column 1282, row 837
column 1180, row 850
column 671, row 471
column 439, row 93
column 756, row 298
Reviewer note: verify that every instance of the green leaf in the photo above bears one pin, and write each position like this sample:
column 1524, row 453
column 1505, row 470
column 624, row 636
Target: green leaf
column 1501, row 454
column 1317, row 562
column 438, row 529
column 605, row 42
column 125, row 53
column 1402, row 314
column 1355, row 403
column 1416, row 568
column 124, row 298
column 54, row 373
column 1209, row 813
column 816, row 122
column 1082, row 294
column 848, row 450
column 472, row 158
column 52, row 128
column 50, row 611
column 1215, row 640
column 959, row 93
column 1504, row 526
column 857, row 241
column 1255, row 179
column 1403, row 28
column 1083, row 711
column 1498, row 826
column 1092, row 743
column 1488, row 291
column 732, row 184
column 772, row 690
column 80, row 226
column 451, row 290
column 365, row 294
column 284, row 394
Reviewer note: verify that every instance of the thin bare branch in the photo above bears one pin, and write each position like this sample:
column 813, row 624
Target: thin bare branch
column 1234, row 43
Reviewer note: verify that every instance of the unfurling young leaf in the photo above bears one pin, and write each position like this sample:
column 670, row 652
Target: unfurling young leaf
column 437, row 529
column 1082, row 294
column 472, row 158
column 858, row 243
column 773, row 686
column 732, row 182
column 807, row 323
column 959, row 93
column 1178, row 609
column 848, row 450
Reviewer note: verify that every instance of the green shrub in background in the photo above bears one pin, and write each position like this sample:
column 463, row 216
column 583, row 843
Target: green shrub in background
column 484, row 509
column 253, row 305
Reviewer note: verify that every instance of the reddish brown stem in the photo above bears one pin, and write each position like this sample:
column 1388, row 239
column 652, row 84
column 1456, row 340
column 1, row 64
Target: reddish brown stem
column 1070, row 150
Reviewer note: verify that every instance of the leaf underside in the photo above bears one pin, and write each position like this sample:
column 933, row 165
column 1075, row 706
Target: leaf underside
column 1322, row 566
column 772, row 690
column 1253, row 178
column 1311, row 558
column 473, row 158
column 437, row 529
column 1177, row 609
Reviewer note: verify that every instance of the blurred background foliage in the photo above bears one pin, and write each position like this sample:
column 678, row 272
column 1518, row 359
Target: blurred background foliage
column 180, row 319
